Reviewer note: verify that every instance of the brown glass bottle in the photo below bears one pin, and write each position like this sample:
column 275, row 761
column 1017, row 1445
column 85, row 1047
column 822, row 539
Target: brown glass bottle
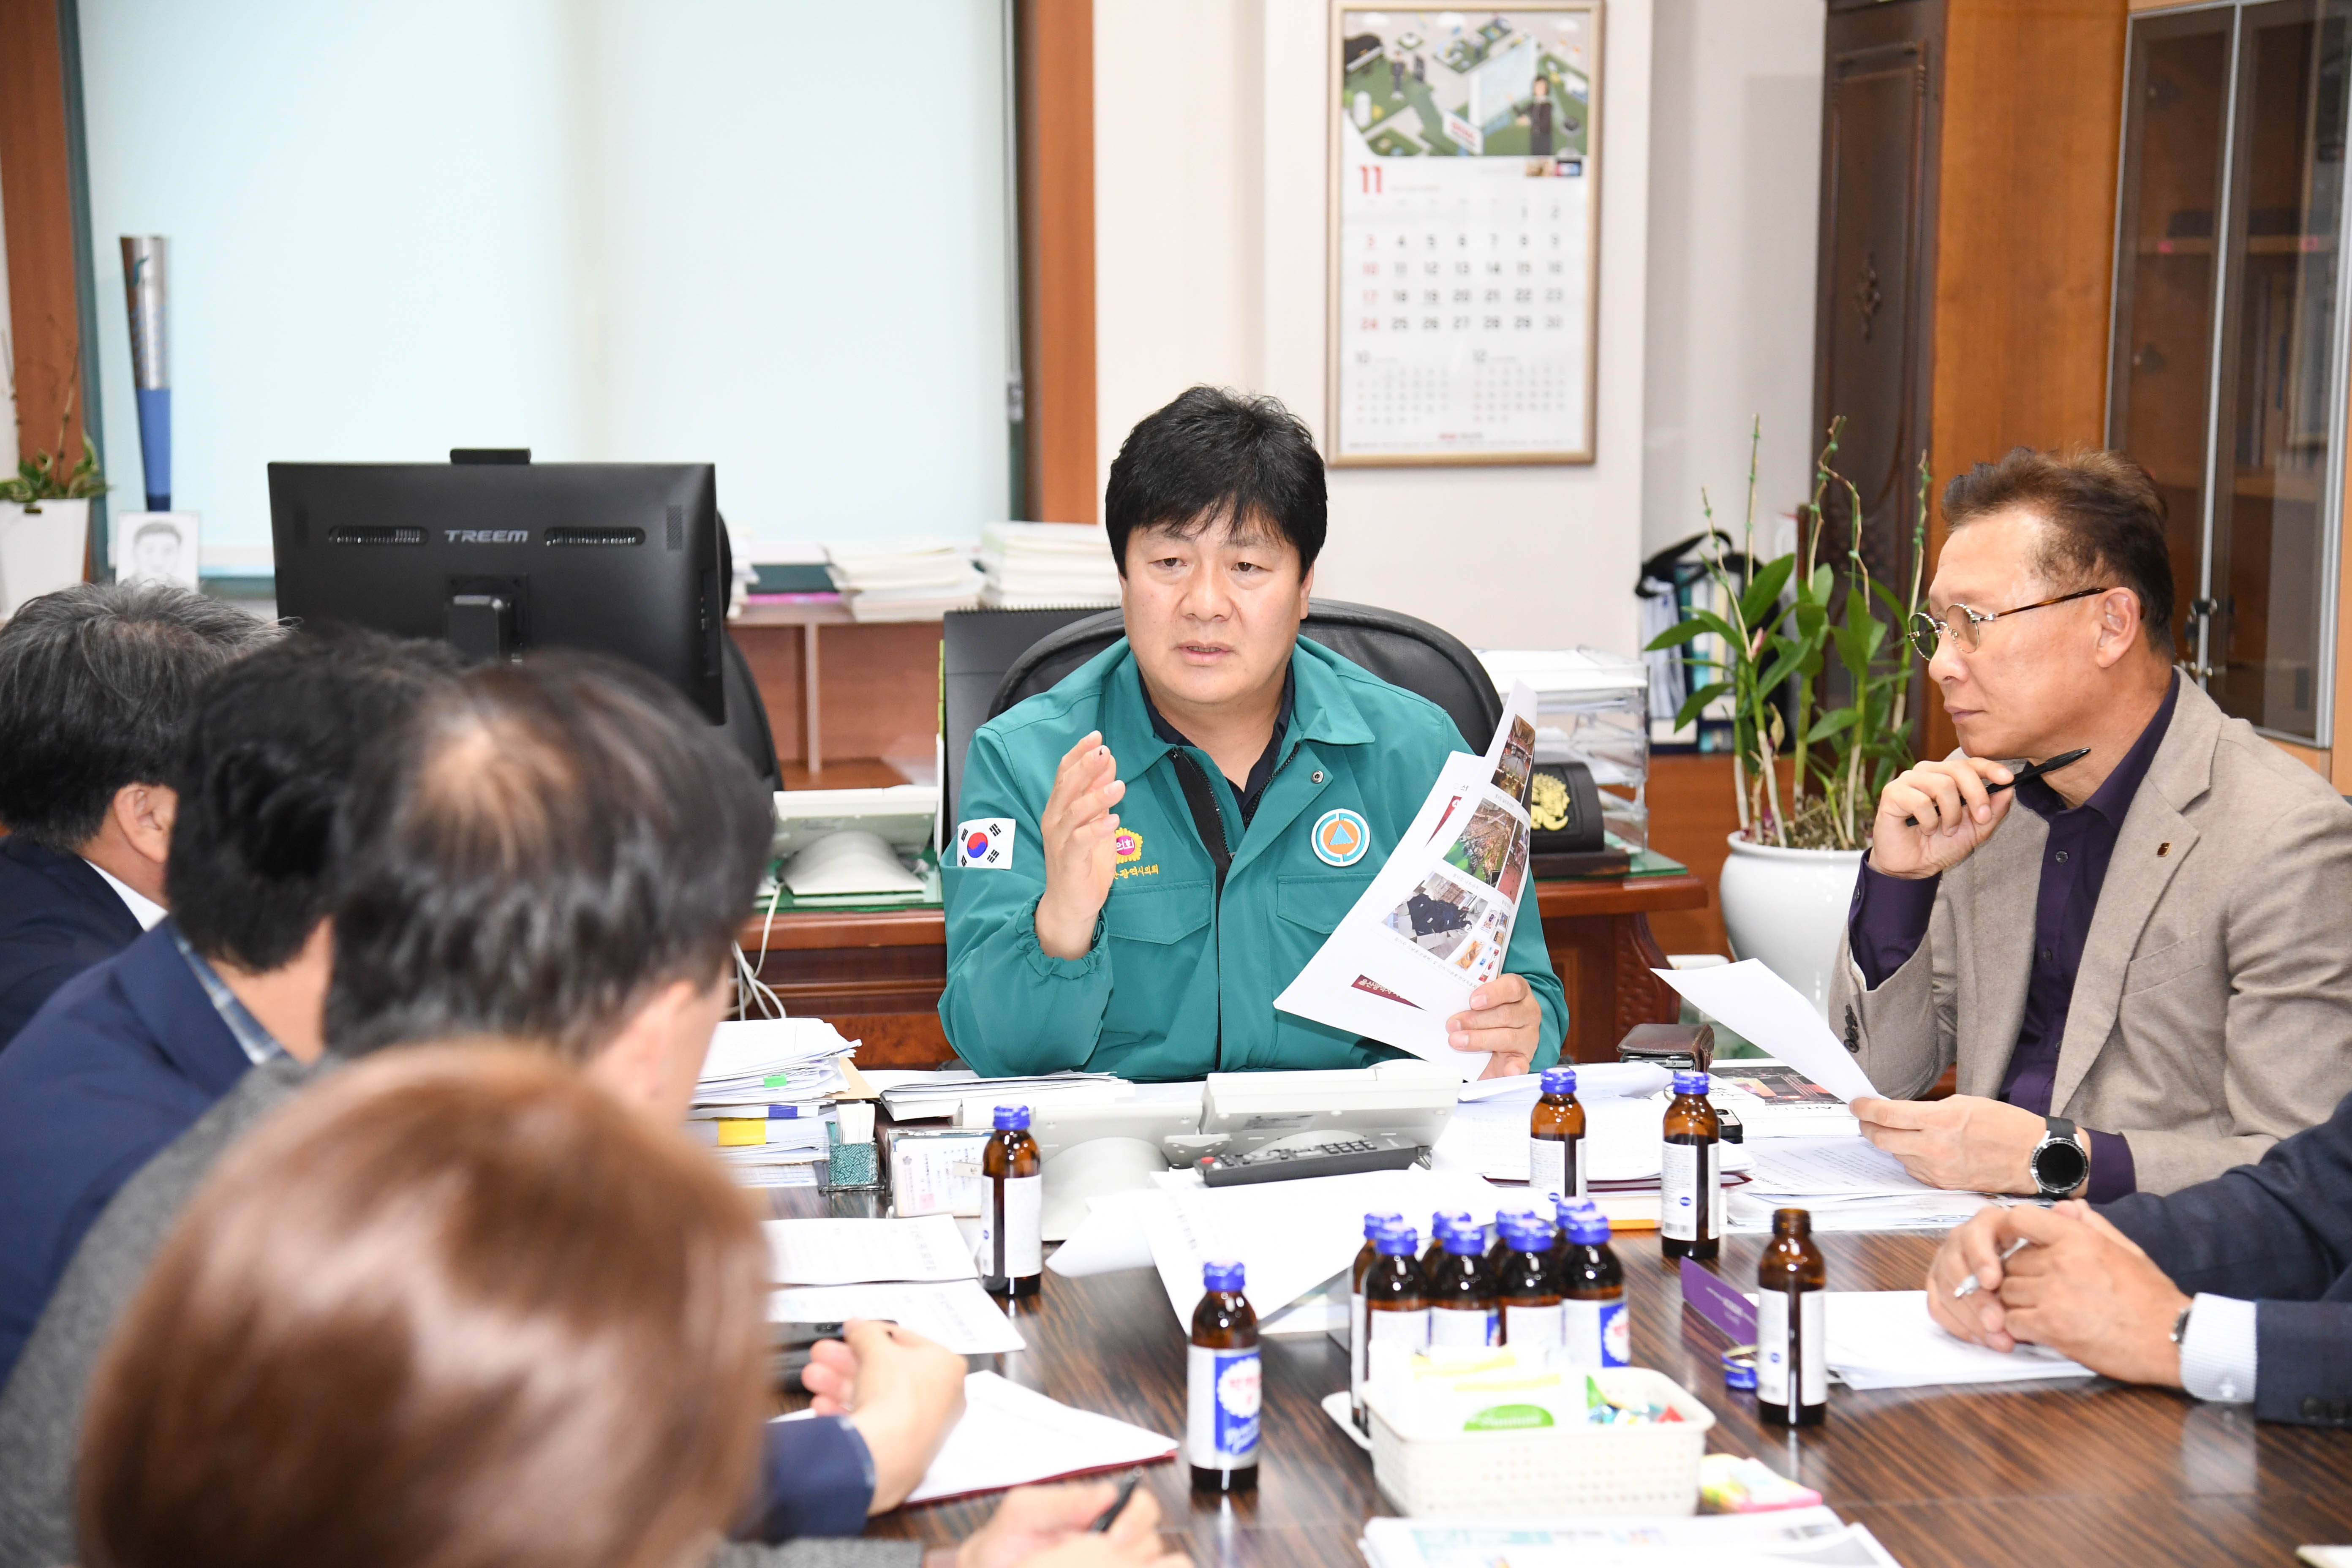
column 1792, row 1383
column 1374, row 1225
column 1396, row 1302
column 1555, row 1137
column 1527, row 1286
column 1012, row 1242
column 1461, row 1307
column 1592, row 1287
column 1690, row 1187
column 1223, row 1385
column 1435, row 1253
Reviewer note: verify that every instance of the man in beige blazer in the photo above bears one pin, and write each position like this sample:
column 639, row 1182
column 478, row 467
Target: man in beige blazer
column 2145, row 975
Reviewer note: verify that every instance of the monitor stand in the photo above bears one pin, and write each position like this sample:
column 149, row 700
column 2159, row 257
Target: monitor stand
column 1094, row 1168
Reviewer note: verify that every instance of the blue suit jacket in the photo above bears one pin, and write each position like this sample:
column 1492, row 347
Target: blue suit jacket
column 57, row 917
column 123, row 1060
column 2278, row 1233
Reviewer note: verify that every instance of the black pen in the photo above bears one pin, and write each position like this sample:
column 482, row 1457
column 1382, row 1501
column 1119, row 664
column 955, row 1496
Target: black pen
column 2031, row 771
column 1126, row 1491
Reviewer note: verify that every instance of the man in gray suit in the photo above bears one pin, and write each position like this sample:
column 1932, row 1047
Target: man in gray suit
column 2145, row 975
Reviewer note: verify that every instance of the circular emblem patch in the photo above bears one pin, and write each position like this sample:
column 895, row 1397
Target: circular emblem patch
column 1342, row 837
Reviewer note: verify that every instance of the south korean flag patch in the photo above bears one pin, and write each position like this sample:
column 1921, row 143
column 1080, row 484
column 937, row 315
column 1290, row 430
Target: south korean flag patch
column 985, row 845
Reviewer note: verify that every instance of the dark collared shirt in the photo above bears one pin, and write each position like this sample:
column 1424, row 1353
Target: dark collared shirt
column 1889, row 919
column 1249, row 791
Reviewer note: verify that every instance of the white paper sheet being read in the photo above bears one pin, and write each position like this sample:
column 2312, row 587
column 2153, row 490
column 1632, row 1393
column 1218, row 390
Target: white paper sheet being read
column 957, row 1313
column 1436, row 920
column 1884, row 1339
column 1768, row 1011
column 1011, row 1437
column 864, row 1251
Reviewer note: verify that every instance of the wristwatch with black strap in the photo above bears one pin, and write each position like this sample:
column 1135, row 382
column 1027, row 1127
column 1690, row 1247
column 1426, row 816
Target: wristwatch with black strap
column 2059, row 1163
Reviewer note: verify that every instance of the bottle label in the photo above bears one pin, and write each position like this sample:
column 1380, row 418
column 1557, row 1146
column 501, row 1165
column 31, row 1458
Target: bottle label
column 1597, row 1333
column 1576, row 1167
column 1777, row 1350
column 1019, row 1226
column 1221, row 1403
column 1357, row 1344
column 1547, row 1165
column 1689, row 1193
column 1410, row 1329
column 1460, row 1326
column 1533, row 1327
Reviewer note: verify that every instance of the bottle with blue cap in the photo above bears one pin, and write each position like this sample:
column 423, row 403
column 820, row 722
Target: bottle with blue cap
column 1222, row 1386
column 1498, row 1246
column 1374, row 1224
column 1462, row 1306
column 1441, row 1224
column 1555, row 1137
column 1690, row 1174
column 1012, row 1251
column 1594, row 1327
column 1396, row 1304
column 1527, row 1288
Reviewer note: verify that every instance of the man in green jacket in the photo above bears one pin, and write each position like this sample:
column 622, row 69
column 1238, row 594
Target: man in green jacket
column 1090, row 924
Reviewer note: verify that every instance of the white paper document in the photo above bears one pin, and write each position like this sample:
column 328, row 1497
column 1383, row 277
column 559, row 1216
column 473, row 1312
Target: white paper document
column 1797, row 1535
column 1767, row 1010
column 868, row 1251
column 1435, row 923
column 959, row 1314
column 1012, row 1437
column 1884, row 1339
column 1830, row 1168
column 1622, row 1141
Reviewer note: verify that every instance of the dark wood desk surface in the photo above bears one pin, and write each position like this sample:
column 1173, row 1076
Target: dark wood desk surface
column 2063, row 1474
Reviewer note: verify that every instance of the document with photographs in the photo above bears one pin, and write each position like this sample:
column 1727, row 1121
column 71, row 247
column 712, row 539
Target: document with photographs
column 1436, row 920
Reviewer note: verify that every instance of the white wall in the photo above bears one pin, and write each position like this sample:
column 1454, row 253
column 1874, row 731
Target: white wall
column 765, row 233
column 1734, row 160
column 1210, row 207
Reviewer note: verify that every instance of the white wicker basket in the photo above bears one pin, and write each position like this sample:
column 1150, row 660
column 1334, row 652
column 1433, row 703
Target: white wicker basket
column 1546, row 1472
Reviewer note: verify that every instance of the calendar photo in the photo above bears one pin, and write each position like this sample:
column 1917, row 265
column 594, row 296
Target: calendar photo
column 1465, row 230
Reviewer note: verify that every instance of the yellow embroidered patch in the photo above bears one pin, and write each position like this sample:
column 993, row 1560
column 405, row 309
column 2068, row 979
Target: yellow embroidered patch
column 1127, row 845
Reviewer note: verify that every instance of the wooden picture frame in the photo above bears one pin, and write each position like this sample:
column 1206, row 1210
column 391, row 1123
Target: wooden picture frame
column 1463, row 235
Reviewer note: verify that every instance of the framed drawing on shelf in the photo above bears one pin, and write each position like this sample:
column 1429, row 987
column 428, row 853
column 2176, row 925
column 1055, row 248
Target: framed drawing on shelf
column 1465, row 233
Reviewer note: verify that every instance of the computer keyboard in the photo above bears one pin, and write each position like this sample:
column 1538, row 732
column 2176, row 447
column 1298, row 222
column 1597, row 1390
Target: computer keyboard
column 1312, row 1154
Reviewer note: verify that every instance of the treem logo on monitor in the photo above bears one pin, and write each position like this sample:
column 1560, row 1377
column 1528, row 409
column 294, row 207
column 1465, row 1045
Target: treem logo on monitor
column 487, row 535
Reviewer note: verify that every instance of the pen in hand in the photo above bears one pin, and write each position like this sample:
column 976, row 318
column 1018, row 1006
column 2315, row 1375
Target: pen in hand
column 1967, row 1287
column 1126, row 1490
column 2031, row 771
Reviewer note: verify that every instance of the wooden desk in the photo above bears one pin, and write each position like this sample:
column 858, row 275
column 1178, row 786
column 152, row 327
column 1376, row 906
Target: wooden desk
column 2074, row 1473
column 877, row 977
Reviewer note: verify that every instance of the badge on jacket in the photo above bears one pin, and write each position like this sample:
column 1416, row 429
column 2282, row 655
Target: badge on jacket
column 985, row 845
column 1342, row 837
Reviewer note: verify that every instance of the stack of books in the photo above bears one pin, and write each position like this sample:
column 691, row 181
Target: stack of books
column 917, row 580
column 1046, row 565
column 768, row 1089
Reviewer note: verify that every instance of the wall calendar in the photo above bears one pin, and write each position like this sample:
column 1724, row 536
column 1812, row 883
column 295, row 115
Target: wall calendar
column 1465, row 233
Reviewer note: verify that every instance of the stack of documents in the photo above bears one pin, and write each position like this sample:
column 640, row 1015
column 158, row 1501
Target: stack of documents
column 1046, row 565
column 1623, row 1141
column 918, row 580
column 1884, row 1339
column 917, row 1273
column 765, row 1095
column 1810, row 1535
column 919, row 1095
column 1846, row 1184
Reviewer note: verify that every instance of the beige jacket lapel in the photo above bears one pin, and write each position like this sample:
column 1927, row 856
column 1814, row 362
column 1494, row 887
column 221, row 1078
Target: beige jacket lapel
column 2182, row 771
column 2004, row 879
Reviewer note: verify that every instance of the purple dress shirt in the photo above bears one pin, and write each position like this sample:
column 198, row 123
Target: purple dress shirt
column 1889, row 919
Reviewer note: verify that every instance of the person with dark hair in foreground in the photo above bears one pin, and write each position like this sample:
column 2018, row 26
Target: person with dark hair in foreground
column 2143, row 976
column 129, row 1054
column 97, row 681
column 557, row 853
column 2237, row 1289
column 457, row 1308
column 1168, row 835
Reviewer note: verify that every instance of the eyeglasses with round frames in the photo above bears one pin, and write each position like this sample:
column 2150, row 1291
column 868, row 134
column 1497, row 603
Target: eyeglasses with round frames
column 1926, row 630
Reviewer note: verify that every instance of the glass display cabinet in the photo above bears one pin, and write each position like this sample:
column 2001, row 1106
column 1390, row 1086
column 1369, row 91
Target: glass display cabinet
column 2228, row 346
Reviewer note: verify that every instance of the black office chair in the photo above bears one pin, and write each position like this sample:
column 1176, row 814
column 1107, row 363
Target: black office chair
column 1397, row 647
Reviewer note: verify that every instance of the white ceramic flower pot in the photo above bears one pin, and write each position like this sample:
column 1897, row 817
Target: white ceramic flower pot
column 1786, row 907
column 41, row 549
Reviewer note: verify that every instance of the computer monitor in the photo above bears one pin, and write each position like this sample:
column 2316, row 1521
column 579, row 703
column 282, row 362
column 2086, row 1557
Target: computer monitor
column 500, row 557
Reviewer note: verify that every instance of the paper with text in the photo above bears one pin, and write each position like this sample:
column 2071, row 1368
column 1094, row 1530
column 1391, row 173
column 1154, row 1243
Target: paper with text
column 1011, row 1437
column 959, row 1314
column 867, row 1251
column 1767, row 1010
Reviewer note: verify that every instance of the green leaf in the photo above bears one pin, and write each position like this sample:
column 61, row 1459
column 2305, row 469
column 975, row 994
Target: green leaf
column 1831, row 724
column 1697, row 700
column 1676, row 636
column 1764, row 592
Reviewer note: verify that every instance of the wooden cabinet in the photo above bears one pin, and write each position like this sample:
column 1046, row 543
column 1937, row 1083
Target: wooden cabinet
column 2226, row 367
